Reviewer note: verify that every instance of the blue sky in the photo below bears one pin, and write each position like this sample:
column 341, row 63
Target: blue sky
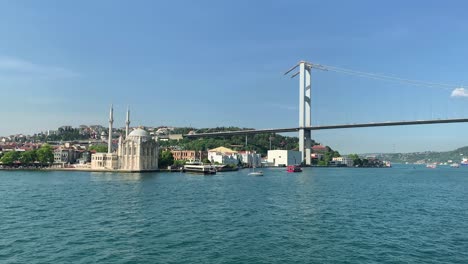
column 213, row 63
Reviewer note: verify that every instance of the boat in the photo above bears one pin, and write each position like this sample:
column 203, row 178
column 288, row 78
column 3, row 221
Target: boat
column 455, row 165
column 199, row 167
column 256, row 173
column 464, row 162
column 294, row 168
column 431, row 166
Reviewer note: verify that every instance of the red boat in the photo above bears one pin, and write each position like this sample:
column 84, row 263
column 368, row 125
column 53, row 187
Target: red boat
column 294, row 168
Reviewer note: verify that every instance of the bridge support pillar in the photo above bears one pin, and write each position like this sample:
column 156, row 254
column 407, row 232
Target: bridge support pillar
column 305, row 139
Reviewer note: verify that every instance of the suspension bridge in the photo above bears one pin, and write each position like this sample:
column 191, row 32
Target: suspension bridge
column 305, row 125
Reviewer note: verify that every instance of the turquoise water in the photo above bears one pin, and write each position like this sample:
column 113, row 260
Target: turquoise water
column 323, row 215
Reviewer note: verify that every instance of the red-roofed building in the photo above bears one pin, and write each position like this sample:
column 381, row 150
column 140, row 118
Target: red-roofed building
column 319, row 149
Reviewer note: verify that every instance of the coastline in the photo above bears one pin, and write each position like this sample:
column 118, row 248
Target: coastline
column 76, row 169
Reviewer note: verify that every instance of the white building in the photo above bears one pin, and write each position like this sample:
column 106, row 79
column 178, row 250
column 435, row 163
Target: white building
column 284, row 157
column 344, row 160
column 104, row 161
column 250, row 158
column 223, row 155
column 138, row 152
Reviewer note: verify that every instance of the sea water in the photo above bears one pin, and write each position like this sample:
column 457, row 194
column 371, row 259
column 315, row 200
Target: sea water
column 403, row 214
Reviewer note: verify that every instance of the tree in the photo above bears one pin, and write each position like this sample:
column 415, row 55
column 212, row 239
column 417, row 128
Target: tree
column 45, row 154
column 365, row 162
column 322, row 163
column 165, row 159
column 356, row 160
column 28, row 157
column 99, row 148
column 9, row 157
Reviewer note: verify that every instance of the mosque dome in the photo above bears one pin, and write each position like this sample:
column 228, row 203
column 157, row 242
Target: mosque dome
column 138, row 133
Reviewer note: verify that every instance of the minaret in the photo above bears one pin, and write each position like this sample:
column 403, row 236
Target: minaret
column 127, row 123
column 111, row 121
column 119, row 149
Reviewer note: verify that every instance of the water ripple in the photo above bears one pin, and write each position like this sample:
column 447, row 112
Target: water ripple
column 319, row 216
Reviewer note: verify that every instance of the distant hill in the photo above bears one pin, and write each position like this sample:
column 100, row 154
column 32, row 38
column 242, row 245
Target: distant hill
column 425, row 157
column 258, row 142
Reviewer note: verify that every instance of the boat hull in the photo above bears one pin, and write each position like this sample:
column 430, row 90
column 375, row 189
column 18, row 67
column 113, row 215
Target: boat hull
column 199, row 172
column 294, row 169
column 199, row 169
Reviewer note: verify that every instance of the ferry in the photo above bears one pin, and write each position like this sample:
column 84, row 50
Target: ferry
column 294, row 168
column 199, row 167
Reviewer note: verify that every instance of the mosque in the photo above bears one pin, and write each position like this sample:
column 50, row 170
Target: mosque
column 136, row 153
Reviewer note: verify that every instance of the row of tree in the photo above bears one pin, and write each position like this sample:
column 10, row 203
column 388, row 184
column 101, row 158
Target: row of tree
column 63, row 135
column 366, row 163
column 98, row 148
column 327, row 157
column 43, row 156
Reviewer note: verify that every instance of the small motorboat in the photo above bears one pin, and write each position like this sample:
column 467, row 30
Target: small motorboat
column 256, row 173
column 294, row 168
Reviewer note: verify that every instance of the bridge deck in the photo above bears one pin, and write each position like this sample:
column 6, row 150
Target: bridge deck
column 293, row 129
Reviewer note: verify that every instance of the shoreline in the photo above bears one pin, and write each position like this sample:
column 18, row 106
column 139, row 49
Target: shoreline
column 76, row 170
column 158, row 170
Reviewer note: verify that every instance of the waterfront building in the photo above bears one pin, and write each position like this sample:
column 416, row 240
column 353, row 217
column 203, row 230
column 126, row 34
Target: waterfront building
column 343, row 161
column 65, row 155
column 85, row 157
column 223, row 155
column 316, row 156
column 281, row 158
column 189, row 155
column 137, row 152
column 250, row 158
column 104, row 161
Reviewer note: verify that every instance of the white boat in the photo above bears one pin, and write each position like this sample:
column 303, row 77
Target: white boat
column 199, row 167
column 455, row 165
column 464, row 162
column 431, row 166
column 256, row 173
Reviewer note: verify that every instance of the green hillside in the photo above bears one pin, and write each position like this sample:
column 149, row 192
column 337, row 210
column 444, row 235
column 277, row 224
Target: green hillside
column 425, row 157
column 259, row 142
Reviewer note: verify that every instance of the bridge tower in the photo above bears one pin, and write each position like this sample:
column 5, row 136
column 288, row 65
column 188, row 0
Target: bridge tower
column 305, row 140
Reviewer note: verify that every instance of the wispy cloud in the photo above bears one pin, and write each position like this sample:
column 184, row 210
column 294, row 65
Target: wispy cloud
column 459, row 92
column 15, row 66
